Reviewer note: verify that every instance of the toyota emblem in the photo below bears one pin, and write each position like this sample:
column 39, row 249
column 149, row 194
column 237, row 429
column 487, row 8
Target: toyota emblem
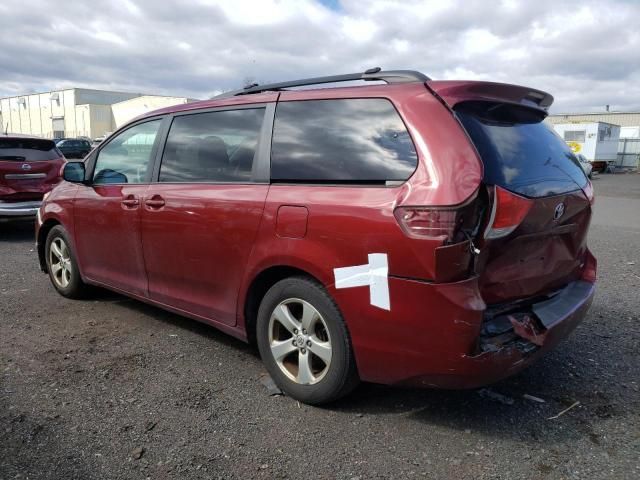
column 559, row 211
column 26, row 166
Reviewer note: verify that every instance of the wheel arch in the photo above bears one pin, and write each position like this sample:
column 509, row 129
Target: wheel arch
column 261, row 283
column 41, row 241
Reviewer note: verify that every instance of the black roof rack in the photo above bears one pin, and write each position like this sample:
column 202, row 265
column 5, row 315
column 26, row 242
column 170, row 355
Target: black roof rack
column 372, row 74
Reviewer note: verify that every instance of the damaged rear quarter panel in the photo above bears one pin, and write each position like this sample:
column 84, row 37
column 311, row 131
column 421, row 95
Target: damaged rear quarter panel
column 426, row 331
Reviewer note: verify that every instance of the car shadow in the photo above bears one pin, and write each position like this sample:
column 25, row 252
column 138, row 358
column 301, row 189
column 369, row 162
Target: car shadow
column 174, row 319
column 17, row 230
column 510, row 414
column 506, row 408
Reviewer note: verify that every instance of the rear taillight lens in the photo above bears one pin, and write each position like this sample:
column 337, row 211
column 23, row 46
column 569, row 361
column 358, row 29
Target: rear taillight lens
column 428, row 222
column 588, row 191
column 590, row 268
column 508, row 212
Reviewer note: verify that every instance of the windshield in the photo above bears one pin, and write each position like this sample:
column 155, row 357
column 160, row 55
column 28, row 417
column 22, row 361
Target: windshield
column 519, row 151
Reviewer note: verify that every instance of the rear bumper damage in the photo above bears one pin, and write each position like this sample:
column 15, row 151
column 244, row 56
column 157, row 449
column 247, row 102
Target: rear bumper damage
column 509, row 342
column 19, row 209
column 459, row 342
column 512, row 340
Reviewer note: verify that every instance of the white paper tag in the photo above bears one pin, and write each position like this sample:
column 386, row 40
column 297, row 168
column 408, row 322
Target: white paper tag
column 374, row 275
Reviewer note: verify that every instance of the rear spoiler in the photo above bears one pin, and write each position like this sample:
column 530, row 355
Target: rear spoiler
column 452, row 92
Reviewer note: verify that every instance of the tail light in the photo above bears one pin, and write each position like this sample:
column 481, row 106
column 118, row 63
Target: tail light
column 431, row 223
column 508, row 212
column 588, row 191
column 590, row 268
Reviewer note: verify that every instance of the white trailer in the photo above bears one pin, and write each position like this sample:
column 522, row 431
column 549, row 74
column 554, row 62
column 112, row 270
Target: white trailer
column 597, row 141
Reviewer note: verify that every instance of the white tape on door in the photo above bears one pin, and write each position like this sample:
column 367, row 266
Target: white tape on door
column 374, row 275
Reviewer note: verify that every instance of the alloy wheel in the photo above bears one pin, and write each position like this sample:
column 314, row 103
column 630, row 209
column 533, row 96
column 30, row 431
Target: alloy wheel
column 60, row 262
column 299, row 341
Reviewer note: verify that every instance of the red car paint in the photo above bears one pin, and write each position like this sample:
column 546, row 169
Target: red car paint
column 198, row 249
column 24, row 179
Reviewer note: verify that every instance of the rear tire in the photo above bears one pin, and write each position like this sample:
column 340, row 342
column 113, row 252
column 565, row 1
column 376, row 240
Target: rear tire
column 304, row 342
column 62, row 264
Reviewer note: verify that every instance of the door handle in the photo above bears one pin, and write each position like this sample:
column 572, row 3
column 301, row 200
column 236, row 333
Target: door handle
column 130, row 202
column 155, row 202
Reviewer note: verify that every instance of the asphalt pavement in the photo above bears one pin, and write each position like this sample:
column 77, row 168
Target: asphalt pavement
column 110, row 388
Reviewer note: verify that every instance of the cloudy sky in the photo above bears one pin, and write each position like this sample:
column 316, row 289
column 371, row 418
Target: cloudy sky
column 586, row 53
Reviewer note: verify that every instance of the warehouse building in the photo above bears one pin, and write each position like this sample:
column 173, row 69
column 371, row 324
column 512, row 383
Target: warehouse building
column 76, row 112
column 624, row 119
column 129, row 109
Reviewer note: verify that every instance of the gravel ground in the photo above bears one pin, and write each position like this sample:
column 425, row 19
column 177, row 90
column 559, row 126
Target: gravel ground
column 112, row 388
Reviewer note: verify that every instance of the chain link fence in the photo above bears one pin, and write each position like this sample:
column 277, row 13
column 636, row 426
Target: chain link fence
column 628, row 153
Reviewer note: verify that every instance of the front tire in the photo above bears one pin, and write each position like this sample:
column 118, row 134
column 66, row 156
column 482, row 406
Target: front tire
column 304, row 342
column 62, row 264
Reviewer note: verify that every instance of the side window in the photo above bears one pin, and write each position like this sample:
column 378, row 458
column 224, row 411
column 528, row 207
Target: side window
column 212, row 147
column 341, row 141
column 125, row 159
column 575, row 136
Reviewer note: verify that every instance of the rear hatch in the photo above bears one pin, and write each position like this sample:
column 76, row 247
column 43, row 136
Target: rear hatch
column 532, row 239
column 29, row 167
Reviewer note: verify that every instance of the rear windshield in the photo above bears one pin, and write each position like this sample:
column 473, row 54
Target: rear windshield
column 519, row 151
column 27, row 149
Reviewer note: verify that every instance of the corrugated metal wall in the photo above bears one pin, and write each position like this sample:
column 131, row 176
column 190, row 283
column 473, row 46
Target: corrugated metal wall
column 61, row 113
column 622, row 119
column 101, row 97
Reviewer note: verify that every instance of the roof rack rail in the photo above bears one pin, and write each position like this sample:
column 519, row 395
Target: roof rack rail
column 372, row 74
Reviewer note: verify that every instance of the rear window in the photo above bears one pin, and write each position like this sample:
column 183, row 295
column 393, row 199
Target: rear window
column 520, row 152
column 341, row 141
column 27, row 149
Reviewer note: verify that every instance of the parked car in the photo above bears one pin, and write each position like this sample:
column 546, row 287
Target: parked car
column 29, row 168
column 98, row 140
column 585, row 164
column 429, row 233
column 74, row 148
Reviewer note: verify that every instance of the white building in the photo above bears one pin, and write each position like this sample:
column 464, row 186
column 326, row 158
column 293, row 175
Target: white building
column 129, row 109
column 75, row 112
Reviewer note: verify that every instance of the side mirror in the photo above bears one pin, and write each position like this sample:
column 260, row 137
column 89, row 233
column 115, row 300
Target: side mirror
column 74, row 172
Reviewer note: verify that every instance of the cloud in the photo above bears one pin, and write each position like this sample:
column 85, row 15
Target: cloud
column 586, row 53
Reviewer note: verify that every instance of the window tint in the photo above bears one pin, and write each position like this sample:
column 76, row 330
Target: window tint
column 125, row 159
column 334, row 141
column 27, row 149
column 212, row 146
column 520, row 151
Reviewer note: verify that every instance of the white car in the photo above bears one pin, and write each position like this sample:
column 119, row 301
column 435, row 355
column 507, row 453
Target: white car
column 584, row 163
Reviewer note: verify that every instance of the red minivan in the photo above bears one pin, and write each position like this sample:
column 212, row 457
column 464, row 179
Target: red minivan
column 29, row 168
column 418, row 232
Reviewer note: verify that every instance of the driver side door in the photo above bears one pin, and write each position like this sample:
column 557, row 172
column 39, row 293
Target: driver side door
column 107, row 210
